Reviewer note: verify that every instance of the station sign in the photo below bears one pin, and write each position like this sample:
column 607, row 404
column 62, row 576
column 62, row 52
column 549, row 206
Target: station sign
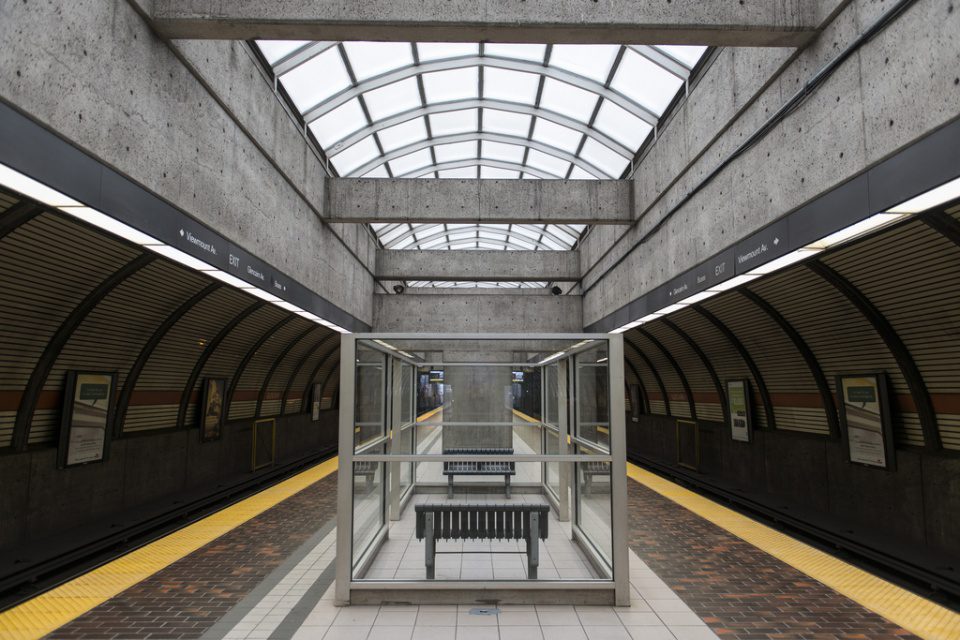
column 768, row 244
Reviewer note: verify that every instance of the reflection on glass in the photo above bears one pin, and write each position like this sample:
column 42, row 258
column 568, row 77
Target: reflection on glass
column 368, row 502
column 593, row 398
column 593, row 504
column 368, row 413
column 551, row 427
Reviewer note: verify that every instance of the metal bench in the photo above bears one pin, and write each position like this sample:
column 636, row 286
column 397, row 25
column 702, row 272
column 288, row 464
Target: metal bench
column 479, row 467
column 368, row 470
column 527, row 522
column 591, row 469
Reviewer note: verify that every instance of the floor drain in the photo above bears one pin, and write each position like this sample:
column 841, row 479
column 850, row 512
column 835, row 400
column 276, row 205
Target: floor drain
column 481, row 611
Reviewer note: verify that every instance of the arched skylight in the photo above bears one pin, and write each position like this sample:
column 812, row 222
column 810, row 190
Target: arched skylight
column 461, row 110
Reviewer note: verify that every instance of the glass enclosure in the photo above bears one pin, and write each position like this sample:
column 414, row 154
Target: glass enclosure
column 482, row 462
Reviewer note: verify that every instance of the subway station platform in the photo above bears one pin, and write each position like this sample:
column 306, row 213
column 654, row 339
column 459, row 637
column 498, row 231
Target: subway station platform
column 263, row 569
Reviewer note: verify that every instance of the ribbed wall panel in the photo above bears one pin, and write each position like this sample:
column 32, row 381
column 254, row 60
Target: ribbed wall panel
column 281, row 375
column 7, row 418
column 296, row 400
column 679, row 405
column 657, row 405
column 253, row 377
column 697, row 375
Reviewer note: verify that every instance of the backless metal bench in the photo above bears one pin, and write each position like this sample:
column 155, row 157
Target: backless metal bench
column 479, row 467
column 368, row 470
column 527, row 522
column 591, row 469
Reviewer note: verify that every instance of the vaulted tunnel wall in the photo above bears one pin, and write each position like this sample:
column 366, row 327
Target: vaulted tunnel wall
column 800, row 328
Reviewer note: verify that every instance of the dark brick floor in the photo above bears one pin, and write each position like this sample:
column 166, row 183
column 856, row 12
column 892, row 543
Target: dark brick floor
column 188, row 597
column 740, row 591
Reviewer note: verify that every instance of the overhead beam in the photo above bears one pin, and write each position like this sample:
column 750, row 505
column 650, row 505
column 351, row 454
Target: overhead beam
column 493, row 201
column 478, row 265
column 707, row 22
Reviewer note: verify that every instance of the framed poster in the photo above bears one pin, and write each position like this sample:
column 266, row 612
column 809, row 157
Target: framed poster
column 87, row 412
column 211, row 409
column 315, row 403
column 738, row 405
column 264, row 443
column 865, row 419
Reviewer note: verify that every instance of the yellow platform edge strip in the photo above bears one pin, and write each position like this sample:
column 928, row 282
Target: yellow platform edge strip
column 908, row 610
column 429, row 414
column 524, row 416
column 55, row 608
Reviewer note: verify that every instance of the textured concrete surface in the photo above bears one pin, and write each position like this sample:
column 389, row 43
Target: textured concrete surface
column 863, row 114
column 467, row 313
column 490, row 201
column 95, row 73
column 492, row 265
column 715, row 22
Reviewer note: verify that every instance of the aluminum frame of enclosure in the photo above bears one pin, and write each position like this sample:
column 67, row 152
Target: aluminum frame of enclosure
column 349, row 590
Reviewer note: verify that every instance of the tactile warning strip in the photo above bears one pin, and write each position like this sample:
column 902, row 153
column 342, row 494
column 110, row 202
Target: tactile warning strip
column 51, row 610
column 912, row 612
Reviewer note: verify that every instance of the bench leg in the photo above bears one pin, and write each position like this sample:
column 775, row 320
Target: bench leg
column 587, row 483
column 431, row 547
column 533, row 546
column 450, row 486
column 506, row 486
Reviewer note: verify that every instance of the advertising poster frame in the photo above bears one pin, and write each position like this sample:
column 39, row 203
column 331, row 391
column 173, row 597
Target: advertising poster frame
column 739, row 409
column 866, row 424
column 212, row 398
column 85, row 427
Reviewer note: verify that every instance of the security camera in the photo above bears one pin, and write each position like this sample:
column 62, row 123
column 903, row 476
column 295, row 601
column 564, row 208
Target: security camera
column 398, row 289
column 556, row 290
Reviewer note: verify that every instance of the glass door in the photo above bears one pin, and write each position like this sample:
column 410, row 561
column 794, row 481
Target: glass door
column 369, row 437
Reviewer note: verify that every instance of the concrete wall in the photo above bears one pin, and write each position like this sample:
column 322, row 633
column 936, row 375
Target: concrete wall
column 916, row 507
column 448, row 311
column 194, row 122
column 898, row 87
column 144, row 475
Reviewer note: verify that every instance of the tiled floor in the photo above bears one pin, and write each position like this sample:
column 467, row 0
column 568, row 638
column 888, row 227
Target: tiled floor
column 403, row 556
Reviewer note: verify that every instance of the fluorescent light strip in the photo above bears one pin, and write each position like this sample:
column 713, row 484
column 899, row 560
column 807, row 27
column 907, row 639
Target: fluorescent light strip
column 932, row 198
column 27, row 186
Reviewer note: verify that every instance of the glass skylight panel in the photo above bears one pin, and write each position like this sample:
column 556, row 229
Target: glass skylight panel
column 316, row 80
column 337, row 124
column 369, row 59
column 411, row 162
column 355, row 155
column 455, row 151
column 403, row 134
column 556, row 136
column 533, row 52
column 440, row 50
column 604, row 158
column 451, row 122
column 495, row 173
column 501, row 151
column 274, row 50
column 513, row 86
column 688, row 55
column 550, row 164
column 588, row 60
column 506, row 122
column 461, row 173
column 645, row 83
column 562, row 235
column 392, row 99
column 433, row 243
column 579, row 174
column 621, row 125
column 547, row 240
column 405, row 243
column 455, row 84
column 379, row 172
column 567, row 99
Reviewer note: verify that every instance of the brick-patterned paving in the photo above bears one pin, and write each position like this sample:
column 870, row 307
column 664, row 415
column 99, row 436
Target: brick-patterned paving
column 191, row 595
column 739, row 590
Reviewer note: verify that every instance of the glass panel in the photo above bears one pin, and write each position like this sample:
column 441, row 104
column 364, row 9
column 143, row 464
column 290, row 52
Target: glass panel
column 688, row 55
column 589, row 60
column 621, row 125
column 593, row 425
column 316, row 80
column 463, row 121
column 370, row 424
column 556, row 135
column 437, row 50
column 369, row 59
column 407, row 424
column 501, row 151
column 403, row 134
column 456, row 151
column 534, row 52
column 368, row 503
column 645, row 83
column 594, row 510
column 393, row 98
column 338, row 124
column 274, row 50
column 579, row 174
column 551, row 164
column 462, row 173
column 355, row 155
column 379, row 172
column 495, row 173
column 567, row 99
column 513, row 86
column 411, row 162
column 604, row 158
column 455, row 84
column 370, row 386
column 506, row 122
